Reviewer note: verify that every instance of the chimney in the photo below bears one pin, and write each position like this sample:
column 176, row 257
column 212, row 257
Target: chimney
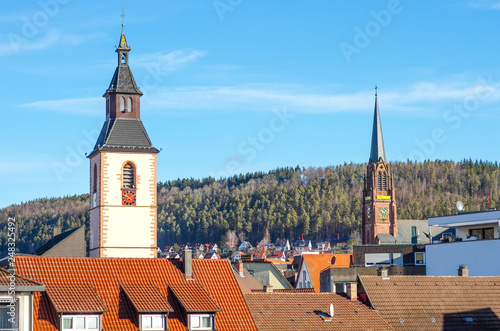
column 352, row 291
column 239, row 267
column 187, row 258
column 463, row 271
column 384, row 272
column 268, row 288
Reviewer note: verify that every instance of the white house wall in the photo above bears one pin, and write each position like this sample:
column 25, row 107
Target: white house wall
column 480, row 256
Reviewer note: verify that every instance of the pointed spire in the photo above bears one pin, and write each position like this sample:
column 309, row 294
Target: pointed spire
column 123, row 81
column 122, row 45
column 377, row 150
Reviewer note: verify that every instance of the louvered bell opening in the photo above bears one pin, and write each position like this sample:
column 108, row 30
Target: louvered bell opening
column 379, row 181
column 384, row 185
column 128, row 176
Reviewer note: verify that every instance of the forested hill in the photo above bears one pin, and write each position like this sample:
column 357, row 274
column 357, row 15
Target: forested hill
column 289, row 202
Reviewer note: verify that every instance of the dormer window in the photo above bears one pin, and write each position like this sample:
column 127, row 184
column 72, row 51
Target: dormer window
column 153, row 322
column 128, row 173
column 201, row 322
column 80, row 322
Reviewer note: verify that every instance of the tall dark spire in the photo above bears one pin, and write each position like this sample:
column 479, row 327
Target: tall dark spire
column 377, row 150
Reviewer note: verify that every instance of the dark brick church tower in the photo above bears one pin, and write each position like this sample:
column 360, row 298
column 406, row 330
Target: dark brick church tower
column 379, row 203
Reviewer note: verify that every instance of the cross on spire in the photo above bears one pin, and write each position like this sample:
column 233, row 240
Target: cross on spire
column 123, row 15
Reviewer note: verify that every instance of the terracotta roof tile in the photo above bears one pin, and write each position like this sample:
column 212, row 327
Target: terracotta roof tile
column 75, row 298
column 107, row 274
column 5, row 279
column 235, row 314
column 315, row 263
column 146, row 298
column 288, row 290
column 300, row 311
column 436, row 303
column 193, row 297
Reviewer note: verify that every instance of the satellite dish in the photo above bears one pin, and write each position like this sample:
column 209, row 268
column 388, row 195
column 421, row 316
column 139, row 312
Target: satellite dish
column 460, row 206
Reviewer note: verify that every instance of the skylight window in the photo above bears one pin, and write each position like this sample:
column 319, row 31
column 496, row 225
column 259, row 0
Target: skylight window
column 469, row 319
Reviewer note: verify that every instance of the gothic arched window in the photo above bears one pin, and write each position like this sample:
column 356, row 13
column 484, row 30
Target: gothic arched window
column 128, row 176
column 94, row 188
column 129, row 105
column 381, row 181
column 122, row 104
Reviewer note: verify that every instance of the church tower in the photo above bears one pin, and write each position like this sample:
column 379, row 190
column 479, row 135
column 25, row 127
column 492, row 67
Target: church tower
column 123, row 173
column 379, row 204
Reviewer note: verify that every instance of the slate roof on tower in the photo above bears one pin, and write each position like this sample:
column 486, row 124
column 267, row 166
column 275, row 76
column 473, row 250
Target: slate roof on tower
column 124, row 135
column 123, row 81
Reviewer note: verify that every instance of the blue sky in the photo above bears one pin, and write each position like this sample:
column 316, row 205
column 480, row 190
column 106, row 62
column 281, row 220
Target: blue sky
column 232, row 86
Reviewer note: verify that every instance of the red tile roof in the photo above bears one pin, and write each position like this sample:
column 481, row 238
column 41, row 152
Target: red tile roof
column 75, row 298
column 6, row 277
column 315, row 263
column 193, row 298
column 300, row 311
column 107, row 274
column 146, row 298
column 436, row 303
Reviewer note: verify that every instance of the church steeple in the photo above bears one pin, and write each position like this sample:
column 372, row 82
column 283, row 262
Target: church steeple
column 377, row 150
column 123, row 209
column 379, row 222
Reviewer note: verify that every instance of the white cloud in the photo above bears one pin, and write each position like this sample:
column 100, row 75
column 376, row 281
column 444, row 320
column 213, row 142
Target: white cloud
column 419, row 98
column 88, row 106
column 17, row 42
column 414, row 98
column 484, row 4
column 161, row 62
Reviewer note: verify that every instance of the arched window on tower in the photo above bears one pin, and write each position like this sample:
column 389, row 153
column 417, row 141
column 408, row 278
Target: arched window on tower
column 379, row 181
column 124, row 58
column 94, row 187
column 122, row 104
column 384, row 181
column 129, row 105
column 128, row 179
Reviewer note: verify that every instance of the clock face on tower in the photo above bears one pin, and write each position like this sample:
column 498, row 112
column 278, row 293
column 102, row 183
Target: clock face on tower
column 383, row 212
column 128, row 198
